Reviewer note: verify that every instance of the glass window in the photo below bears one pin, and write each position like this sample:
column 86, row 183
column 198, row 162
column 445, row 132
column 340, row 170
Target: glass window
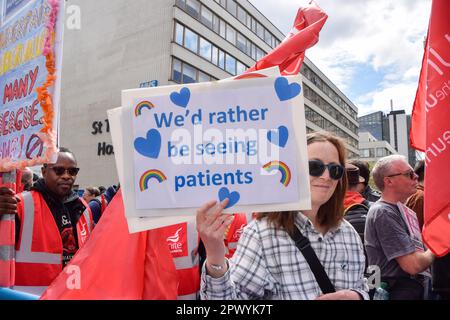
column 231, row 7
column 190, row 40
column 193, row 8
column 249, row 21
column 241, row 15
column 223, row 3
column 179, row 29
column 267, row 37
column 205, row 49
column 230, row 64
column 181, row 3
column 216, row 24
column 203, row 77
column 253, row 25
column 240, row 68
column 381, row 152
column 215, row 53
column 207, row 17
column 221, row 59
column 189, row 74
column 253, row 51
column 259, row 30
column 222, row 28
column 176, row 72
column 259, row 54
column 241, row 42
column 231, row 34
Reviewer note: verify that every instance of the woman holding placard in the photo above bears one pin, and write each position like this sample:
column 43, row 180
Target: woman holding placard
column 304, row 255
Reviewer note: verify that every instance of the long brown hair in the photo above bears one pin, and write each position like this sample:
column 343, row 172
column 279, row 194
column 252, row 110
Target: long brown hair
column 330, row 213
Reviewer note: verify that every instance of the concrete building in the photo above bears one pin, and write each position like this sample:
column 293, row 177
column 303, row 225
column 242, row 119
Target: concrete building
column 371, row 149
column 130, row 44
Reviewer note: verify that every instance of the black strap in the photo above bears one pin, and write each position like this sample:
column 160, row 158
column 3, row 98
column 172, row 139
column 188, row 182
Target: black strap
column 303, row 244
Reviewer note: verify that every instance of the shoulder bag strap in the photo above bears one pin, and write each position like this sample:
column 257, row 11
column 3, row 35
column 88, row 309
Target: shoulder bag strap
column 303, row 244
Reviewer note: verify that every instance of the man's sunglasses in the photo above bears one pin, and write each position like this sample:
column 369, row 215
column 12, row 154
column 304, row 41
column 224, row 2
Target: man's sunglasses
column 59, row 171
column 317, row 168
column 410, row 174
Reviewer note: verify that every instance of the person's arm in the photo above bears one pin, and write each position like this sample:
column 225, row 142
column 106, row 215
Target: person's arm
column 8, row 201
column 416, row 262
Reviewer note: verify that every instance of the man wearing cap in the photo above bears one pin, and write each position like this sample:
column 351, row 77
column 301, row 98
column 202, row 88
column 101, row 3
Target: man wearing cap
column 364, row 188
column 355, row 206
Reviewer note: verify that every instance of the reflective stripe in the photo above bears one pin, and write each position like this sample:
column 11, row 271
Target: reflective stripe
column 192, row 296
column 38, row 291
column 192, row 241
column 24, row 255
column 87, row 216
column 6, row 253
column 7, row 217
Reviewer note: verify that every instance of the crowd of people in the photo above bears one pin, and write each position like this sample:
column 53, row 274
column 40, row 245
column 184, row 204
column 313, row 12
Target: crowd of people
column 322, row 253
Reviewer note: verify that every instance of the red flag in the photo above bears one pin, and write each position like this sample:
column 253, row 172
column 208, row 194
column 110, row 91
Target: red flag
column 431, row 118
column 289, row 55
column 117, row 265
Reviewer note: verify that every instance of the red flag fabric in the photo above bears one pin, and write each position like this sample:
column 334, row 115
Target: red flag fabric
column 116, row 265
column 289, row 55
column 431, row 119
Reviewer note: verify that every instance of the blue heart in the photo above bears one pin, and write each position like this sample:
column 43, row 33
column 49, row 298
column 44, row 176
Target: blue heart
column 279, row 137
column 151, row 146
column 181, row 99
column 286, row 91
column 233, row 197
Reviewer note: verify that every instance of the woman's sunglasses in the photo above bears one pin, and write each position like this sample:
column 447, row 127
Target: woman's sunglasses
column 317, row 168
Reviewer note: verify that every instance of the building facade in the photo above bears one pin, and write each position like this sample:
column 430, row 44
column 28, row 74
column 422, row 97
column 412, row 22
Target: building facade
column 371, row 149
column 141, row 43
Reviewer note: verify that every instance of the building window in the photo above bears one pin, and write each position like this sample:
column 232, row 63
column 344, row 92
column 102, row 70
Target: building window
column 189, row 74
column 240, row 68
column 215, row 54
column 203, row 77
column 381, row 152
column 216, row 24
column 221, row 64
column 231, row 7
column 207, row 17
column 259, row 30
column 181, row 3
column 223, row 29
column 190, row 40
column 205, row 49
column 231, row 34
column 242, row 15
column 193, row 8
column 230, row 64
column 179, row 34
column 241, row 43
column 176, row 70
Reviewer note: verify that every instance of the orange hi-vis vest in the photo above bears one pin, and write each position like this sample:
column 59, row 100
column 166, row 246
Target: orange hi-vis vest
column 234, row 232
column 7, row 233
column 183, row 242
column 40, row 248
column 103, row 203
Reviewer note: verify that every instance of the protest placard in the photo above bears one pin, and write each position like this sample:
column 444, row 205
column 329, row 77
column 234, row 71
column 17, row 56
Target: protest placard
column 30, row 78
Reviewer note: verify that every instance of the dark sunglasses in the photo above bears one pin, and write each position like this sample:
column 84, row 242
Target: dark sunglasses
column 317, row 168
column 410, row 174
column 59, row 171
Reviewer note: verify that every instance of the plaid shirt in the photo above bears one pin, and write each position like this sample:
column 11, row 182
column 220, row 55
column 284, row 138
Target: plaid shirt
column 268, row 265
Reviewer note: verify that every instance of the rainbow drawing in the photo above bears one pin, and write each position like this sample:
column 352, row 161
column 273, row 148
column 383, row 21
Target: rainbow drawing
column 283, row 168
column 143, row 105
column 151, row 174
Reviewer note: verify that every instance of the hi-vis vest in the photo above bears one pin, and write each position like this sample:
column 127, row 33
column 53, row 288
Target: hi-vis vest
column 7, row 235
column 40, row 248
column 234, row 232
column 183, row 241
column 103, row 203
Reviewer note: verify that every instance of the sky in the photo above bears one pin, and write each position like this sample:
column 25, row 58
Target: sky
column 370, row 49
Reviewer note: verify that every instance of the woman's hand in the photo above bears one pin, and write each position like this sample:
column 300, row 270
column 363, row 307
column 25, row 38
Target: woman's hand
column 341, row 295
column 211, row 226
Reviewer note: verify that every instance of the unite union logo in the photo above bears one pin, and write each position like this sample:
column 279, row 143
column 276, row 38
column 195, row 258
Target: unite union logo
column 176, row 237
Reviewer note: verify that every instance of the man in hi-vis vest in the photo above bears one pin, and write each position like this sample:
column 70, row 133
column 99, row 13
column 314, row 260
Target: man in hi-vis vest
column 52, row 223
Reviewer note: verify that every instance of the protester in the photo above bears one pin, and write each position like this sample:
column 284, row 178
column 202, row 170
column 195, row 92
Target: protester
column 100, row 202
column 267, row 264
column 364, row 188
column 355, row 206
column 27, row 179
column 388, row 241
column 90, row 193
column 52, row 223
column 415, row 202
